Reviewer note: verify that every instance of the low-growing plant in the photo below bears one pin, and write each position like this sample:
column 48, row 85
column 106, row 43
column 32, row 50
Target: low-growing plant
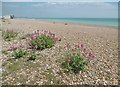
column 5, row 52
column 18, row 48
column 18, row 53
column 77, row 58
column 33, row 56
column 24, row 36
column 9, row 35
column 41, row 39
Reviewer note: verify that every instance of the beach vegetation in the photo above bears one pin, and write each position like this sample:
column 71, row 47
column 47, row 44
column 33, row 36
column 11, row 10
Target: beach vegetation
column 41, row 39
column 24, row 36
column 18, row 49
column 33, row 56
column 9, row 35
column 5, row 52
column 76, row 58
column 18, row 53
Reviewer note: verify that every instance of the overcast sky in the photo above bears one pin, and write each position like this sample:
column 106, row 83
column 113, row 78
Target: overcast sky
column 63, row 9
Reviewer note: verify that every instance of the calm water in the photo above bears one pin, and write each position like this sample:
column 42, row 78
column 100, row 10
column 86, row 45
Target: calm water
column 97, row 21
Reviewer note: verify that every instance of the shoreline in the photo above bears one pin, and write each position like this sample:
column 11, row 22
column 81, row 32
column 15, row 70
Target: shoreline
column 70, row 22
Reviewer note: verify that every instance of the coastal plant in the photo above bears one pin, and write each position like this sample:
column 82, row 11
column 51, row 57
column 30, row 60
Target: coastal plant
column 18, row 49
column 77, row 58
column 18, row 53
column 41, row 39
column 33, row 56
column 9, row 35
column 24, row 36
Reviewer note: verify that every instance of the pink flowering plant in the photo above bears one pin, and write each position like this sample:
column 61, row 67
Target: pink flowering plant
column 77, row 58
column 41, row 39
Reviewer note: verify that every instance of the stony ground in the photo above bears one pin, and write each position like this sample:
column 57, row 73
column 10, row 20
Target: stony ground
column 46, row 69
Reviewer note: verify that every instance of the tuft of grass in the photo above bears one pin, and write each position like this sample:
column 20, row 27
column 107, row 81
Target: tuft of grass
column 5, row 52
column 18, row 53
column 9, row 35
column 33, row 56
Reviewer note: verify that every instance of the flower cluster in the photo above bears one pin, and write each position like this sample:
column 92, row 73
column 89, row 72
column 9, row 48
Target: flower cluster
column 82, row 49
column 77, row 57
column 41, row 39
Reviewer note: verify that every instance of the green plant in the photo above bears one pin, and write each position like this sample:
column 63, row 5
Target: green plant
column 5, row 52
column 42, row 40
column 77, row 58
column 9, row 35
column 75, row 63
column 33, row 56
column 18, row 53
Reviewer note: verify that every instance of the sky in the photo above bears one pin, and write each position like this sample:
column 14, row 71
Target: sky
column 60, row 0
column 61, row 8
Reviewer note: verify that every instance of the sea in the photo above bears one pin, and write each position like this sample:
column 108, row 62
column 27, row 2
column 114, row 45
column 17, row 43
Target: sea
column 96, row 21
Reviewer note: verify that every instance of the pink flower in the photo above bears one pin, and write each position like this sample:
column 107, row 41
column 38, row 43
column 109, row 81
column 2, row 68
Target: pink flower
column 50, row 33
column 21, row 45
column 68, row 46
column 27, row 39
column 90, row 55
column 32, row 36
column 42, row 33
column 68, row 60
column 44, row 43
column 38, row 32
column 84, row 50
column 82, row 46
column 38, row 39
column 35, row 32
column 55, row 39
column 36, row 47
column 45, row 31
column 53, row 35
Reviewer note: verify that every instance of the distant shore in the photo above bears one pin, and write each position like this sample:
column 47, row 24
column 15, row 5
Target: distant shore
column 71, row 22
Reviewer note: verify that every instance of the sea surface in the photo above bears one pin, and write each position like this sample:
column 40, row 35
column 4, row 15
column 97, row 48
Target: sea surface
column 96, row 21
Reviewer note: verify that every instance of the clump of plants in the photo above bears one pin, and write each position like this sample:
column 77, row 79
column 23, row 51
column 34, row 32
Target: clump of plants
column 18, row 53
column 18, row 49
column 9, row 35
column 41, row 39
column 33, row 56
column 77, row 58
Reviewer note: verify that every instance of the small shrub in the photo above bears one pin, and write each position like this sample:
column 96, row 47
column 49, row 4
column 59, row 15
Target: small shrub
column 18, row 53
column 9, row 35
column 33, row 56
column 77, row 58
column 41, row 40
